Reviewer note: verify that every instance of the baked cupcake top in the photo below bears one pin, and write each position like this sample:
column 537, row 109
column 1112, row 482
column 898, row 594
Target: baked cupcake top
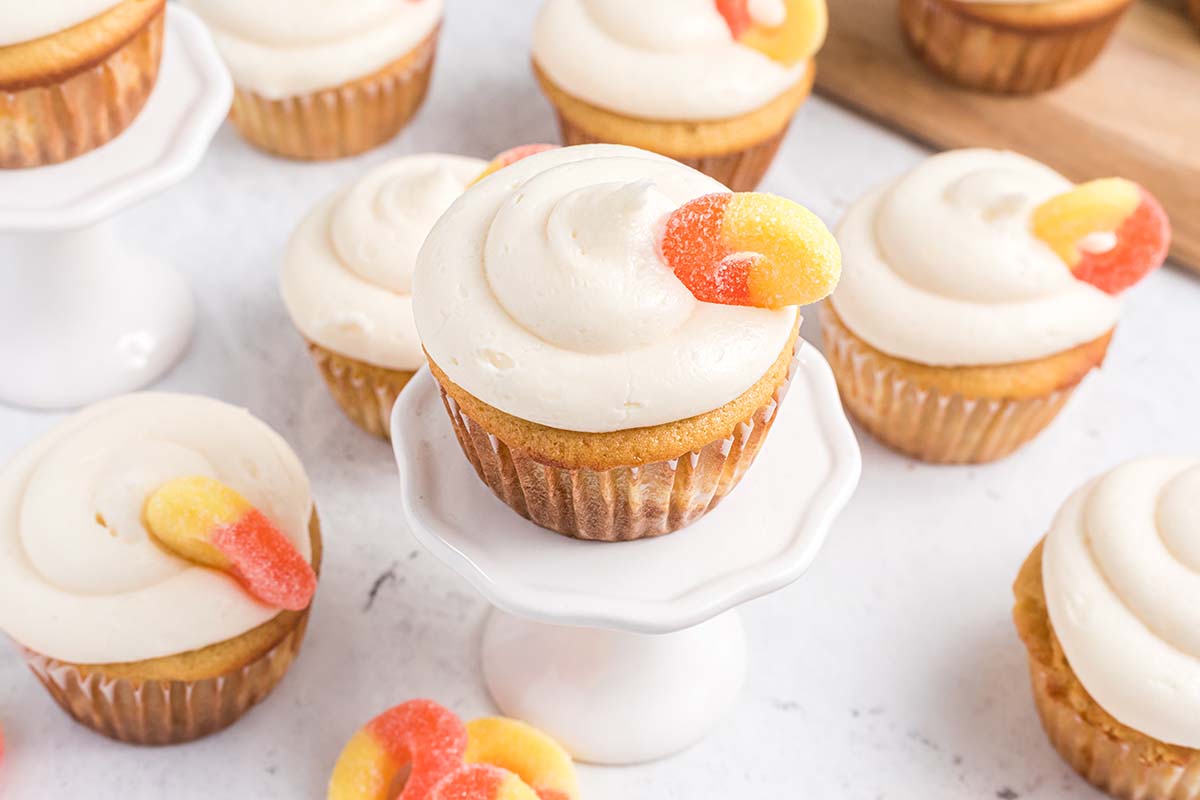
column 35, row 20
column 1121, row 569
column 543, row 291
column 952, row 264
column 677, row 59
column 81, row 579
column 282, row 48
column 347, row 273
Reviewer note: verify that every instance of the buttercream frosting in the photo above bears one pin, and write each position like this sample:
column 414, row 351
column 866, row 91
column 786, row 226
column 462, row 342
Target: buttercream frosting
column 24, row 21
column 666, row 59
column 283, row 48
column 941, row 267
column 542, row 292
column 347, row 273
column 1121, row 569
column 80, row 578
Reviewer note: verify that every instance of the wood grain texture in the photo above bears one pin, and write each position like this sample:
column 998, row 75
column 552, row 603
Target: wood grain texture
column 1135, row 113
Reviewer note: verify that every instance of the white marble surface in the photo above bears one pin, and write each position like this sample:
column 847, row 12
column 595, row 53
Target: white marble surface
column 890, row 670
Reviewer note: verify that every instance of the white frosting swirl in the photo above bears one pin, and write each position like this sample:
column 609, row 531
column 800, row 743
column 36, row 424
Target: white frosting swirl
column 542, row 292
column 347, row 273
column 665, row 59
column 283, row 48
column 80, row 578
column 1121, row 568
column 941, row 267
column 24, row 21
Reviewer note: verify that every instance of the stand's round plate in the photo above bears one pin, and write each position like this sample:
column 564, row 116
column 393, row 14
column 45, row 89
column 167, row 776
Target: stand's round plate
column 162, row 146
column 761, row 538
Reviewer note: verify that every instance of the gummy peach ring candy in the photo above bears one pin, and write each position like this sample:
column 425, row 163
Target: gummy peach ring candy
column 419, row 735
column 512, row 156
column 537, row 759
column 209, row 523
column 482, row 782
column 1110, row 232
column 797, row 36
column 751, row 249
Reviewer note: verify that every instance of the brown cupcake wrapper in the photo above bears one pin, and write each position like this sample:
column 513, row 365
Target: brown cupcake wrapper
column 154, row 712
column 990, row 57
column 58, row 121
column 1194, row 8
column 1123, row 768
column 924, row 422
column 343, row 121
column 365, row 392
column 622, row 503
column 740, row 170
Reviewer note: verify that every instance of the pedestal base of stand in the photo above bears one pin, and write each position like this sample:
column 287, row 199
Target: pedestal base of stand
column 615, row 698
column 81, row 319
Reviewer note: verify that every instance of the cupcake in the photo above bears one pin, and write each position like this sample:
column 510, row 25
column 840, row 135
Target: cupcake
column 613, row 331
column 115, row 612
column 979, row 290
column 711, row 83
column 321, row 80
column 347, row 279
column 1009, row 46
column 1106, row 606
column 73, row 75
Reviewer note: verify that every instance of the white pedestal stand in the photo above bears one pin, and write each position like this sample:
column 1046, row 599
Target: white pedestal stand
column 81, row 317
column 628, row 652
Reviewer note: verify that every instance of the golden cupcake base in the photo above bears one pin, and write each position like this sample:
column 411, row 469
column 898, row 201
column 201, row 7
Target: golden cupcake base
column 364, row 392
column 1002, row 53
column 343, row 121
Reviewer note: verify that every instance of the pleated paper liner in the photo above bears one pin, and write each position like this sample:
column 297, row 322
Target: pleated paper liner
column 66, row 118
column 623, row 503
column 163, row 712
column 364, row 392
column 993, row 57
column 343, row 121
column 922, row 421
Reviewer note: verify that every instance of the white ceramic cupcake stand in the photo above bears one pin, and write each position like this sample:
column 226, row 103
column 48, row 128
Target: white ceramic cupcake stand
column 82, row 316
column 628, row 652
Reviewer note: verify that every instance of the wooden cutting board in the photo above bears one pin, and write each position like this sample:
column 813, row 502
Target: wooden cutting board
column 1135, row 113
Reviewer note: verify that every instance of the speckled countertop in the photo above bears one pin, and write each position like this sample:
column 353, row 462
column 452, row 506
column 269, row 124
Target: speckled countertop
column 890, row 671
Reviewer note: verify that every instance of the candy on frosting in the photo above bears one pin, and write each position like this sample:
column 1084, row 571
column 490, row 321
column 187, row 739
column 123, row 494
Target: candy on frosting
column 667, row 59
column 282, row 48
column 27, row 20
column 81, row 580
column 542, row 291
column 347, row 273
column 942, row 267
column 512, row 156
column 1121, row 570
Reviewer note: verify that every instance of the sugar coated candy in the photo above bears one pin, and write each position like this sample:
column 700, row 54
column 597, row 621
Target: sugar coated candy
column 537, row 759
column 482, row 782
column 512, row 156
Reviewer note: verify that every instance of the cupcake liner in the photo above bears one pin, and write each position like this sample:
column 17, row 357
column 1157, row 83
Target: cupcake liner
column 924, row 422
column 155, row 712
column 740, row 170
column 1126, row 769
column 1001, row 58
column 62, row 120
column 622, row 503
column 365, row 392
column 343, row 121
column 1194, row 8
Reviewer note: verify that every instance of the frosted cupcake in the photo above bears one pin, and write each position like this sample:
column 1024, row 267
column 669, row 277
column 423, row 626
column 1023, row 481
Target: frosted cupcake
column 73, row 75
column 590, row 314
column 131, row 638
column 1010, row 46
column 347, row 279
column 980, row 289
column 1106, row 606
column 711, row 83
column 322, row 80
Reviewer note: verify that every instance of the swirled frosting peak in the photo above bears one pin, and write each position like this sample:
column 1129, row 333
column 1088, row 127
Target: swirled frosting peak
column 347, row 274
column 81, row 580
column 542, row 291
column 666, row 59
column 1121, row 569
column 942, row 268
